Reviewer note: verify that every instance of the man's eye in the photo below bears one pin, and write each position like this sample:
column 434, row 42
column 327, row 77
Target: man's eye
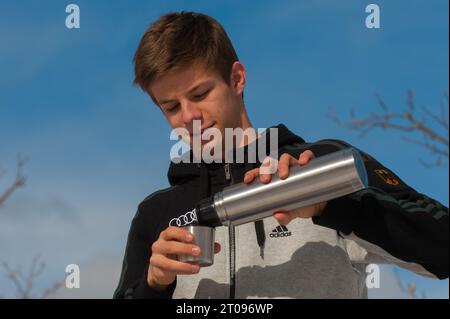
column 171, row 108
column 201, row 95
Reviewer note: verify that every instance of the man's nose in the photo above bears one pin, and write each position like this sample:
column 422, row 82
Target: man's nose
column 190, row 113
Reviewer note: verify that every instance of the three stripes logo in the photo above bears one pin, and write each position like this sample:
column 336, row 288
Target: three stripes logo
column 280, row 231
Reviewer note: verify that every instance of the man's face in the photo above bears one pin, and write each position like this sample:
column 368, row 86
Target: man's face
column 198, row 93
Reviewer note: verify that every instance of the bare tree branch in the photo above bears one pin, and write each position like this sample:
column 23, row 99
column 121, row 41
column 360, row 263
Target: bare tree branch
column 438, row 119
column 412, row 290
column 399, row 281
column 410, row 287
column 19, row 180
column 13, row 275
column 52, row 289
column 25, row 284
column 435, row 142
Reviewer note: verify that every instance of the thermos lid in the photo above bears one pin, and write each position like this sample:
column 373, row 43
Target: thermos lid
column 360, row 168
column 206, row 213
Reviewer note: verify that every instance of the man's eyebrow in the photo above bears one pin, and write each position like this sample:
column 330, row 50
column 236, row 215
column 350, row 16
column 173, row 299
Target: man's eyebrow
column 189, row 92
column 165, row 101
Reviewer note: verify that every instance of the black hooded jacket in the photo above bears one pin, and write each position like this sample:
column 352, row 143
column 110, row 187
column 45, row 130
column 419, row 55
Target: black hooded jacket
column 391, row 215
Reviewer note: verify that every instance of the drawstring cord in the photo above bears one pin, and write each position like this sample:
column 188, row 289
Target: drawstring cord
column 204, row 192
column 259, row 224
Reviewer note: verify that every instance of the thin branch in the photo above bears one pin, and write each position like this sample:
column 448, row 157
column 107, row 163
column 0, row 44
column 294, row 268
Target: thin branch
column 381, row 103
column 14, row 276
column 52, row 289
column 438, row 163
column 410, row 287
column 433, row 148
column 420, row 126
column 18, row 182
column 444, row 114
column 25, row 284
column 441, row 120
column 36, row 268
column 412, row 290
column 410, row 101
column 399, row 281
column 435, row 142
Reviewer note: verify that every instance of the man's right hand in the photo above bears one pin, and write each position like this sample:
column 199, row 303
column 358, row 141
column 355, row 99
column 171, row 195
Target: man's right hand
column 164, row 266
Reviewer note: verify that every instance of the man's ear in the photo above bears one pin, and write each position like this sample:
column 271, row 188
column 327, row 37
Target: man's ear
column 238, row 77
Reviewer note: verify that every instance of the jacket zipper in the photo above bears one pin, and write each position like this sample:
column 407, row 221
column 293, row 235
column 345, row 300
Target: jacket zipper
column 228, row 176
column 231, row 234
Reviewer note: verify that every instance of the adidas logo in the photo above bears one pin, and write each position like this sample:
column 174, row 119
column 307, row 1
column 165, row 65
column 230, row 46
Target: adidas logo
column 280, row 231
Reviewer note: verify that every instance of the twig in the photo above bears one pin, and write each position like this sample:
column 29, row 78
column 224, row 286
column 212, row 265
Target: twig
column 19, row 180
column 435, row 142
column 24, row 284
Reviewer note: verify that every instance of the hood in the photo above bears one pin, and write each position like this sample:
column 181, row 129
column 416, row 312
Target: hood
column 182, row 172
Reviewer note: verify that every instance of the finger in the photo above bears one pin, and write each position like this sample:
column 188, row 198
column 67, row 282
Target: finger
column 176, row 233
column 249, row 176
column 216, row 248
column 305, row 157
column 270, row 166
column 265, row 178
column 286, row 160
column 283, row 217
column 175, row 248
column 173, row 266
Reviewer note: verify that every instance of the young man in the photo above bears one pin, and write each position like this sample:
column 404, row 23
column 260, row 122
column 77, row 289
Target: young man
column 187, row 64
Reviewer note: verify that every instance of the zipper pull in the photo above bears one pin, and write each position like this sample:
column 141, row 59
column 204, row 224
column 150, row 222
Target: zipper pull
column 227, row 171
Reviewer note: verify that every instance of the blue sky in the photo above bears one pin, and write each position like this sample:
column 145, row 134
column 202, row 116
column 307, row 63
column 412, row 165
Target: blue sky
column 97, row 145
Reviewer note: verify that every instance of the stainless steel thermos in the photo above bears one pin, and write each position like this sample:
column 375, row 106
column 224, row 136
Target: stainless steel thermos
column 322, row 179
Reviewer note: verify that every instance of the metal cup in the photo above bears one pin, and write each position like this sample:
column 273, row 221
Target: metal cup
column 203, row 238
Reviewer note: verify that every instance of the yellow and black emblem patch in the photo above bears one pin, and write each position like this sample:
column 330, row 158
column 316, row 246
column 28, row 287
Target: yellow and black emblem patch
column 387, row 177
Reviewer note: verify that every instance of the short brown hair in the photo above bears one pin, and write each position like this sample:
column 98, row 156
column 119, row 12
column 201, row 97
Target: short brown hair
column 179, row 39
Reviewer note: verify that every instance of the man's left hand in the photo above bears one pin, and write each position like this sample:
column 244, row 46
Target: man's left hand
column 285, row 162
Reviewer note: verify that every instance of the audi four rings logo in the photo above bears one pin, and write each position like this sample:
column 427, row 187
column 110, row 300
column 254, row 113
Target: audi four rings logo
column 184, row 219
